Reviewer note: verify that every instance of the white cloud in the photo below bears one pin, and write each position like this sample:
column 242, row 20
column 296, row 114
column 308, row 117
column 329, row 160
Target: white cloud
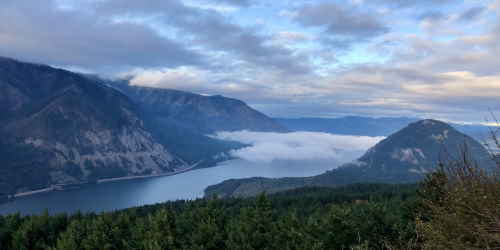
column 298, row 146
column 461, row 84
column 290, row 36
column 179, row 78
column 215, row 7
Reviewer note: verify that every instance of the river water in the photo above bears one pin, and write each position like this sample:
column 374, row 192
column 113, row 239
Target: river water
column 189, row 185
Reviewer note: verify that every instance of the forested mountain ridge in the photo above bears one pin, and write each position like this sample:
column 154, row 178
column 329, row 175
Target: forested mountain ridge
column 183, row 121
column 404, row 157
column 58, row 127
column 199, row 113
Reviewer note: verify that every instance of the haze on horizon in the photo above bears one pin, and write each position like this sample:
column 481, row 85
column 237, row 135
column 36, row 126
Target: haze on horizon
column 428, row 58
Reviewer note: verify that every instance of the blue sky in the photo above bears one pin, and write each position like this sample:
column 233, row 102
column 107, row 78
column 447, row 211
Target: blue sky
column 427, row 58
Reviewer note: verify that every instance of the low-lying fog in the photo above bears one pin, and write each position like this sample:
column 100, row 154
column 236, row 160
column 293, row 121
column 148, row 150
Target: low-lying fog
column 298, row 146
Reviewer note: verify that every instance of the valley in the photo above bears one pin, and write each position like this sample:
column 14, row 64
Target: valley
column 58, row 139
column 249, row 124
column 64, row 128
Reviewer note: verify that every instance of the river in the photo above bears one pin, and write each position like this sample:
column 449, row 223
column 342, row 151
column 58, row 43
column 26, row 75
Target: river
column 131, row 193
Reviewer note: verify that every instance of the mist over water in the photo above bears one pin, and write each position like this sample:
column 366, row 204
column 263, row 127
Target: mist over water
column 257, row 160
column 267, row 147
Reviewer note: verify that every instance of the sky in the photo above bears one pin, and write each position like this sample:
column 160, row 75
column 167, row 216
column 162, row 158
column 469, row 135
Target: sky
column 323, row 58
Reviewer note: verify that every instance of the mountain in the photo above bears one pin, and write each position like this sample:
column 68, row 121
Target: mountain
column 200, row 113
column 414, row 151
column 367, row 126
column 182, row 121
column 58, row 127
column 348, row 125
column 404, row 157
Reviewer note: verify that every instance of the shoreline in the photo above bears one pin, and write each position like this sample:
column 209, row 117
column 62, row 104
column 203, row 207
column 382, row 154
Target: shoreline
column 33, row 192
column 125, row 178
column 56, row 187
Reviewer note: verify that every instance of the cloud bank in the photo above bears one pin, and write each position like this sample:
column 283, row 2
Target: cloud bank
column 267, row 147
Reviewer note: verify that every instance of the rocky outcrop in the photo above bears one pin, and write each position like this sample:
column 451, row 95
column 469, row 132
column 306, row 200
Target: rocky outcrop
column 59, row 127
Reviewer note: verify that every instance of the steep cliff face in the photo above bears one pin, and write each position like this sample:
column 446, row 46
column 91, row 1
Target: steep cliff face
column 60, row 127
column 404, row 157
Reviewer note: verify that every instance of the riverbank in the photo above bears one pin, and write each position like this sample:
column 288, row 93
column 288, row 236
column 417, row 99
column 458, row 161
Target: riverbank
column 33, row 192
column 146, row 176
column 106, row 180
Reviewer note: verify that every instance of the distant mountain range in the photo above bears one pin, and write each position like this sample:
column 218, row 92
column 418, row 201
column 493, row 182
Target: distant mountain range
column 367, row 126
column 59, row 127
column 404, row 157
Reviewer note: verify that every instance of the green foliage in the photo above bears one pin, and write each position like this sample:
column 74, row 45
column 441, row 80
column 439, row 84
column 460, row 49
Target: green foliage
column 37, row 232
column 451, row 211
column 254, row 227
column 355, row 217
column 460, row 208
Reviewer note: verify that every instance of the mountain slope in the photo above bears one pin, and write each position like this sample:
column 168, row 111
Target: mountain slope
column 181, row 121
column 404, row 157
column 199, row 113
column 59, row 127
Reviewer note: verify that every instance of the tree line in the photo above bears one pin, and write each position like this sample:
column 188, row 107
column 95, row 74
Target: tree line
column 457, row 207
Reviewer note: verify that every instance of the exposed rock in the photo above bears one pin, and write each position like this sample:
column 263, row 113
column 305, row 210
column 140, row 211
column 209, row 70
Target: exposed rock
column 61, row 127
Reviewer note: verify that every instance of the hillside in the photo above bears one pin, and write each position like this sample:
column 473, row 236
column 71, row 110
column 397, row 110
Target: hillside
column 199, row 113
column 58, row 127
column 182, row 121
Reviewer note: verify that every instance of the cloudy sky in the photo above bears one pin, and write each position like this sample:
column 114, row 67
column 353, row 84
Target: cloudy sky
column 326, row 58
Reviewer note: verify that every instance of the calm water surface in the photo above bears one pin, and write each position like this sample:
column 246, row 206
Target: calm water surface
column 125, row 194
